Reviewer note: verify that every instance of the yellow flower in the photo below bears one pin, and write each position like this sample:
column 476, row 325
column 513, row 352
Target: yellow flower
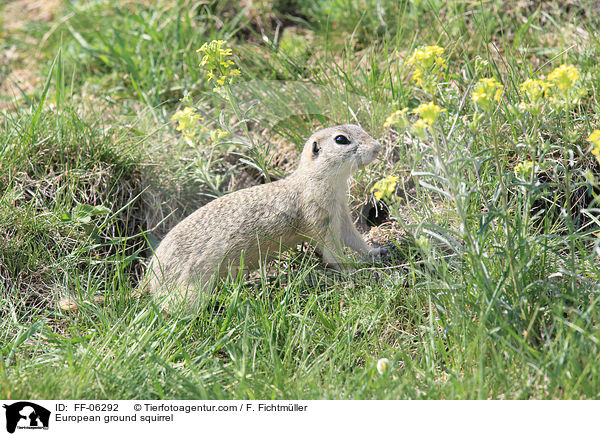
column 187, row 120
column 385, row 188
column 189, row 123
column 429, row 112
column 566, row 91
column 595, row 140
column 398, row 118
column 478, row 95
column 523, row 169
column 214, row 47
column 427, row 56
column 535, row 89
column 420, row 126
column 418, row 77
column 216, row 135
column 564, row 76
column 217, row 66
column 487, row 91
column 428, row 66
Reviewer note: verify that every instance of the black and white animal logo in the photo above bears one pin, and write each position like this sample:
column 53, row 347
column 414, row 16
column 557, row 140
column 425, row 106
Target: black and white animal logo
column 26, row 415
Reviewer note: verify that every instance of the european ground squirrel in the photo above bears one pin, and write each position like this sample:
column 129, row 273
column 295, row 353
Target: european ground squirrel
column 252, row 223
column 309, row 205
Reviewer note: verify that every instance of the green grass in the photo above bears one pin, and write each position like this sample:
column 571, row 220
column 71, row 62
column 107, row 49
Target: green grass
column 492, row 288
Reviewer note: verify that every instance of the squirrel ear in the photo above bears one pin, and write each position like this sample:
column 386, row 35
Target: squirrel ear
column 315, row 148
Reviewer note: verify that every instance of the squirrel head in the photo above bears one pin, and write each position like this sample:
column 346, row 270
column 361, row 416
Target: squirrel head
column 336, row 152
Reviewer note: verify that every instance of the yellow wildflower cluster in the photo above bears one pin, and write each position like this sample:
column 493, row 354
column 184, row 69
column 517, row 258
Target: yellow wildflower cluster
column 216, row 134
column 595, row 140
column 565, row 80
column 429, row 112
column 523, row 170
column 385, row 188
column 427, row 56
column 564, row 76
column 190, row 124
column 429, row 66
column 397, row 119
column 217, row 64
column 535, row 91
column 560, row 88
column 420, row 127
column 486, row 92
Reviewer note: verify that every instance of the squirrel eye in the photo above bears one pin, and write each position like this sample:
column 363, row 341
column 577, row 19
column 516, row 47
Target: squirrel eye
column 341, row 139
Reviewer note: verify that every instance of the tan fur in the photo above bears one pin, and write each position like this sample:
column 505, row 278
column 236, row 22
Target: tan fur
column 309, row 205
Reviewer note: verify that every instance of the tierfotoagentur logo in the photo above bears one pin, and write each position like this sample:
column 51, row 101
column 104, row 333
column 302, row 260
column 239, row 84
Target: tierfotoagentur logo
column 24, row 415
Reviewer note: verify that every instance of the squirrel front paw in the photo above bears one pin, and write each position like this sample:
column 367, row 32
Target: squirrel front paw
column 376, row 253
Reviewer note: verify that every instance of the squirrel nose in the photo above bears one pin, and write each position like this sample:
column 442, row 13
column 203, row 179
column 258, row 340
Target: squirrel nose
column 376, row 146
